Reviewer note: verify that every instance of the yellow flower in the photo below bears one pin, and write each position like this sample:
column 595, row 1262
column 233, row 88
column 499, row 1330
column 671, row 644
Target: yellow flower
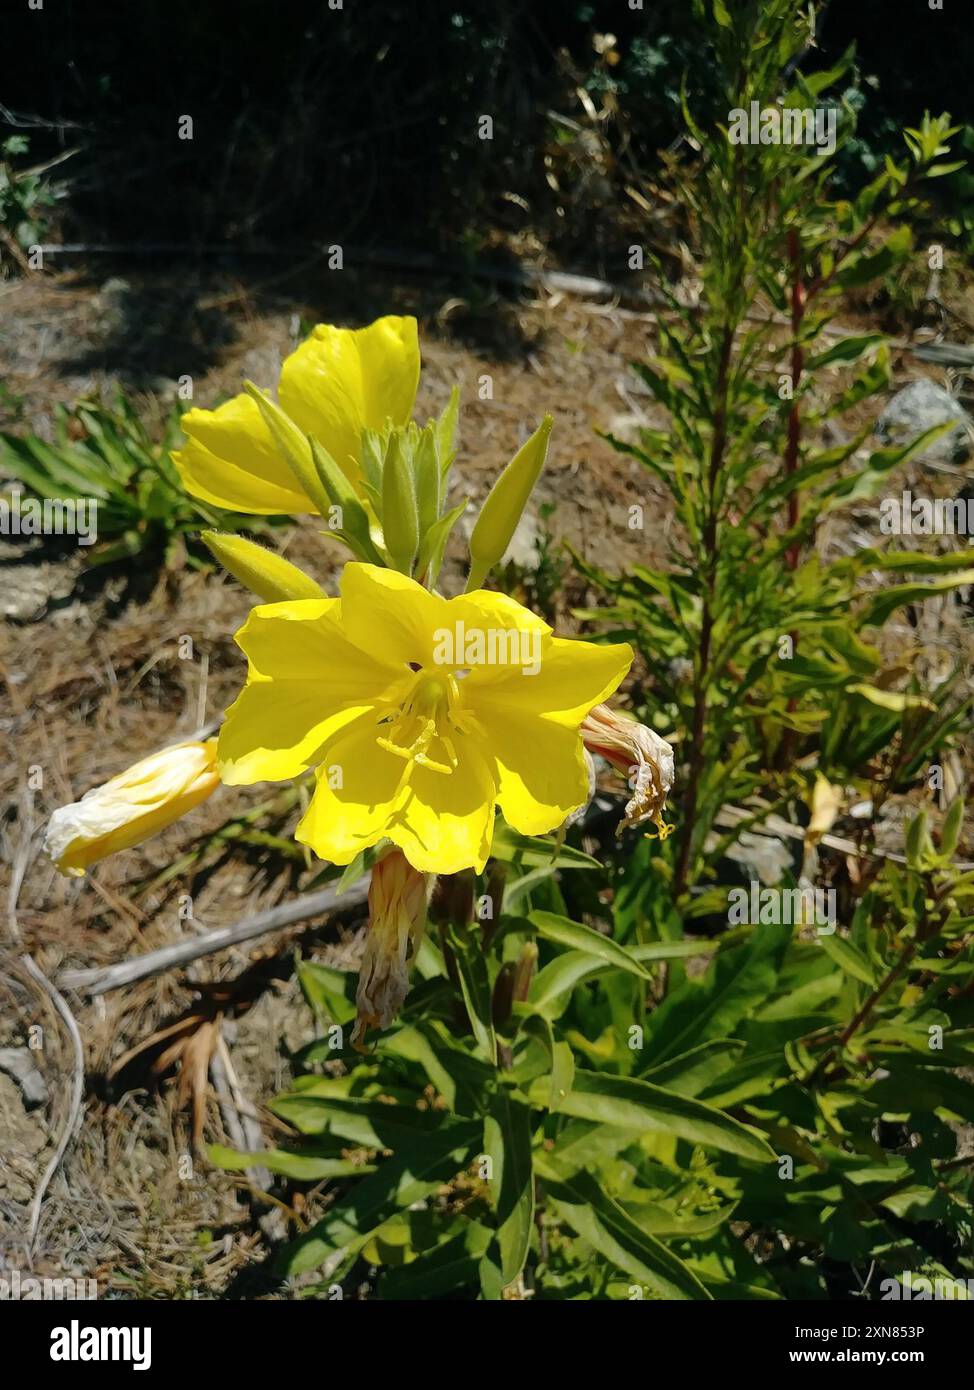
column 420, row 714
column 397, row 917
column 644, row 759
column 139, row 802
column 337, row 383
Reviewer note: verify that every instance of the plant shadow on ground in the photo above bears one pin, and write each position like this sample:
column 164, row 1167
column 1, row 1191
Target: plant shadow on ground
column 164, row 321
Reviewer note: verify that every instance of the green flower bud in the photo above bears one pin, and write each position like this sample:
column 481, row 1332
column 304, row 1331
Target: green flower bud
column 354, row 528
column 505, row 502
column 293, row 444
column 269, row 576
column 400, row 517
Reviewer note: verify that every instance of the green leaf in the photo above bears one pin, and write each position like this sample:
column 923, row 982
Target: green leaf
column 881, row 605
column 542, row 1055
column 293, row 444
column 845, row 350
column 552, row 987
column 849, row 958
column 628, row 1103
column 870, row 265
column 433, row 544
column 371, row 1123
column 462, row 1080
column 507, row 1142
column 475, row 985
column 440, row 1272
column 354, row 528
column 583, row 1204
column 446, row 431
column 302, row 1167
column 329, row 992
column 737, row 979
column 533, row 852
column 695, row 1070
column 399, row 1183
column 953, row 823
column 581, row 938
column 400, row 517
column 501, row 512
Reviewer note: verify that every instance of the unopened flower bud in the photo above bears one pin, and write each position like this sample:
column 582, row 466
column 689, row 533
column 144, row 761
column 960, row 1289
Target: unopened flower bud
column 501, row 512
column 136, row 804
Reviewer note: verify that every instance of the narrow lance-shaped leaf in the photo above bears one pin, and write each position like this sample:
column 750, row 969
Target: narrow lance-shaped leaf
column 507, row 1143
column 582, row 938
column 475, row 986
column 590, row 1211
column 637, row 1105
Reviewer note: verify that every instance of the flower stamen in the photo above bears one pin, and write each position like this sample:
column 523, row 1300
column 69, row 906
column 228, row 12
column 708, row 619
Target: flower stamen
column 425, row 718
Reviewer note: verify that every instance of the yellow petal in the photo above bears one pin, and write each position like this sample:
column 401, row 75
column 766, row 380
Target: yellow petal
column 442, row 823
column 447, row 823
column 541, row 770
column 230, row 461
column 358, row 790
column 390, row 614
column 485, row 609
column 826, row 804
column 305, row 680
column 572, row 678
column 342, row 380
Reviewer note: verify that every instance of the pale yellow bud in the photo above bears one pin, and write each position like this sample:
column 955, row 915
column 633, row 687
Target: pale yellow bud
column 136, row 804
column 644, row 759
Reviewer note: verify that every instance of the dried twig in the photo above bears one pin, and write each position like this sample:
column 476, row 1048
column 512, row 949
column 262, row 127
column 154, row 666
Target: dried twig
column 21, row 861
column 126, row 972
column 729, row 816
column 77, row 1091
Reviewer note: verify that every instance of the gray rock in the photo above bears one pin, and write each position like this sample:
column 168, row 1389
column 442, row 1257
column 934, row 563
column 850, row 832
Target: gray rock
column 919, row 407
column 19, row 1063
column 764, row 857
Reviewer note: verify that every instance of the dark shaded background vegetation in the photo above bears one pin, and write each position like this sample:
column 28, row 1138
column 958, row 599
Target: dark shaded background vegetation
column 360, row 124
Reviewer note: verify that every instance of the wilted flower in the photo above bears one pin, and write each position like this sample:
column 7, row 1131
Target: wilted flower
column 644, row 759
column 131, row 807
column 414, row 738
column 337, row 383
column 397, row 917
